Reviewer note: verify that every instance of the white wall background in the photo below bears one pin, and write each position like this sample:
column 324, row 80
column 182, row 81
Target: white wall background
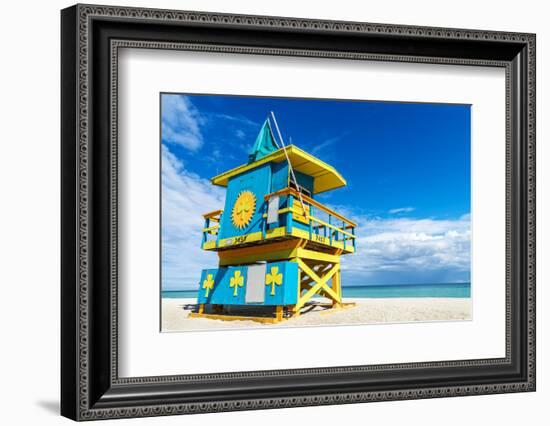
column 29, row 211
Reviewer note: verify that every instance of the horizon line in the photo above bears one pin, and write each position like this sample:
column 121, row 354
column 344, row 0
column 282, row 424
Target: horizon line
column 367, row 285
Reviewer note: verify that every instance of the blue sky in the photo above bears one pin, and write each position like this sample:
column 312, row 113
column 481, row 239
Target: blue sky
column 407, row 166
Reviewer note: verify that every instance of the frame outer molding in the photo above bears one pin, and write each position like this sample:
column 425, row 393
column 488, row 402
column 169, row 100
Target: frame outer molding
column 76, row 402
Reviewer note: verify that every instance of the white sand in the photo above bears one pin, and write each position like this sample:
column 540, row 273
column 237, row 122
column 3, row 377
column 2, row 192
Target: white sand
column 367, row 311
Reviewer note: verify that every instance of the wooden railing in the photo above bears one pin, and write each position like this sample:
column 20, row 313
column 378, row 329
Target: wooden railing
column 210, row 229
column 330, row 228
column 311, row 202
column 333, row 229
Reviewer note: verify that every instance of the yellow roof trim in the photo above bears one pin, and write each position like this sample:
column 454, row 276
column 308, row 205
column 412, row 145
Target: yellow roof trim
column 328, row 177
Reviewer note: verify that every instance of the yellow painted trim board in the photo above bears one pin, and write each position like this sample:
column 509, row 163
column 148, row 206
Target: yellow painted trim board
column 281, row 211
column 322, row 222
column 296, row 214
column 226, row 243
column 311, row 201
column 315, row 255
column 209, row 245
column 249, row 238
column 274, row 233
column 211, row 228
column 267, row 320
column 212, row 215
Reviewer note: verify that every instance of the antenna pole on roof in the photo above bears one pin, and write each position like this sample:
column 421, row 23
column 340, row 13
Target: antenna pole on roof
column 290, row 166
column 274, row 138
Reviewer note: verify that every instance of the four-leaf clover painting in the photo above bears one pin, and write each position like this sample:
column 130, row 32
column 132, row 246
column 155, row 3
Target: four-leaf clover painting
column 236, row 281
column 273, row 278
column 208, row 284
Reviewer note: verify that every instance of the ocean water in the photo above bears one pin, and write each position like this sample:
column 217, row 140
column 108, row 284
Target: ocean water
column 409, row 290
column 374, row 291
column 180, row 294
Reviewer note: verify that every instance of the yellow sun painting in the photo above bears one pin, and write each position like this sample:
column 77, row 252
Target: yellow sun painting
column 243, row 209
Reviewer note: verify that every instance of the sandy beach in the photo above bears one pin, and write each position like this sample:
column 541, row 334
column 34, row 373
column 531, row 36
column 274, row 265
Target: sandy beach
column 175, row 314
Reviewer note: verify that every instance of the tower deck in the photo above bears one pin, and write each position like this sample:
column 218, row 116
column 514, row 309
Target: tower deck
column 322, row 229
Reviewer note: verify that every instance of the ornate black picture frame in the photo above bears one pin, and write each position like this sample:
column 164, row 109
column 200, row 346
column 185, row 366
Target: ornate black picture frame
column 91, row 36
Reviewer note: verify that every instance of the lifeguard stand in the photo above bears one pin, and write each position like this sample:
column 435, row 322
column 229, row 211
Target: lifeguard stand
column 278, row 247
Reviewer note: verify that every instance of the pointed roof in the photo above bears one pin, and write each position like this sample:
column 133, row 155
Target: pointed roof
column 325, row 177
column 265, row 143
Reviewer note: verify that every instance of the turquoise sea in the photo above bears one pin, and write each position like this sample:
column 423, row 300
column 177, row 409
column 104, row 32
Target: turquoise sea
column 375, row 291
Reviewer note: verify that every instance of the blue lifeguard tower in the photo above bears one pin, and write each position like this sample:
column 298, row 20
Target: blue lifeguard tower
column 278, row 247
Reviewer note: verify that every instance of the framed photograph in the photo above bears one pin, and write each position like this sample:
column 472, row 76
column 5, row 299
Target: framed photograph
column 363, row 249
column 263, row 212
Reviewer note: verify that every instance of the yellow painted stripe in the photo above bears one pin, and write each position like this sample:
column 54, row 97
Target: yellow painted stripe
column 276, row 233
column 249, row 238
column 322, row 222
column 281, row 211
column 212, row 215
column 211, row 228
column 311, row 201
column 209, row 245
column 315, row 255
column 222, row 317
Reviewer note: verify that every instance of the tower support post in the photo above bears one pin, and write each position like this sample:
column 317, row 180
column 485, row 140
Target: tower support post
column 318, row 272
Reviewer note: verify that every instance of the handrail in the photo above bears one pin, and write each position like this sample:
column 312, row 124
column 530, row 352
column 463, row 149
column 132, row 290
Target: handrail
column 292, row 191
column 211, row 228
column 212, row 215
column 322, row 222
column 338, row 232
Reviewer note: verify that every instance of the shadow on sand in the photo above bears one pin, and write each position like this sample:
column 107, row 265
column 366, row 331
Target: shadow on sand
column 259, row 311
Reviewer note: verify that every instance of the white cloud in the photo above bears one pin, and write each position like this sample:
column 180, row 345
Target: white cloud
column 389, row 250
column 185, row 198
column 401, row 210
column 327, row 143
column 239, row 131
column 181, row 122
column 409, row 250
column 240, row 134
column 239, row 120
